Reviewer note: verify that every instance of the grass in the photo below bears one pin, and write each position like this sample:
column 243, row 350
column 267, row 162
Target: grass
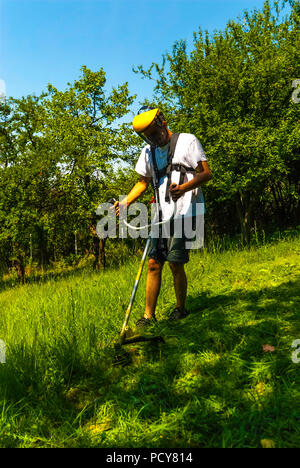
column 210, row 385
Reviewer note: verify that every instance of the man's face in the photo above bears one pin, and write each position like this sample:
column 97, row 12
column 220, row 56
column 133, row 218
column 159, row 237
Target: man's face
column 158, row 135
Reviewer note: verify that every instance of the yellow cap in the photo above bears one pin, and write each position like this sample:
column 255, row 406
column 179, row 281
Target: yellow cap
column 142, row 121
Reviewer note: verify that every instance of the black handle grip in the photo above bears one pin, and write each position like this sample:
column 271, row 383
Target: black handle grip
column 112, row 201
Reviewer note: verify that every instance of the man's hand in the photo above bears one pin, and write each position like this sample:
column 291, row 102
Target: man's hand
column 117, row 206
column 134, row 194
column 176, row 191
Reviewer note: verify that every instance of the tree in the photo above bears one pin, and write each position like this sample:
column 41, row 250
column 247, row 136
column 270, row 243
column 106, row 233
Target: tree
column 57, row 155
column 82, row 127
column 23, row 187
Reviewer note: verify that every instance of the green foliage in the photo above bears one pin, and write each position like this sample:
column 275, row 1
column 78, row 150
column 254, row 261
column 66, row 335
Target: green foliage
column 58, row 154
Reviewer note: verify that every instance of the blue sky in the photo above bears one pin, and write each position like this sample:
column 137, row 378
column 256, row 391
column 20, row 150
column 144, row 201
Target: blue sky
column 47, row 41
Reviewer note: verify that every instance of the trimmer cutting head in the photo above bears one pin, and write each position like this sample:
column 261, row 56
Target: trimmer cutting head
column 123, row 357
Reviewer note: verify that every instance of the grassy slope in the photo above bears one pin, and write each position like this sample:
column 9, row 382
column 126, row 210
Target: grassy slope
column 210, row 385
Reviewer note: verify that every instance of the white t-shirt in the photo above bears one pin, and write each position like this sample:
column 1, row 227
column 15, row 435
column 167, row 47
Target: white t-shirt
column 189, row 152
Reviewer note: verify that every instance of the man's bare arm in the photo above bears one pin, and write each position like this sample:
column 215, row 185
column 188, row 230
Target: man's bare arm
column 202, row 176
column 139, row 188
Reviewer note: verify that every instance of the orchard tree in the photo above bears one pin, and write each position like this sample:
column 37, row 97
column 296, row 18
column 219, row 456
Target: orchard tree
column 57, row 158
column 24, row 177
column 83, row 131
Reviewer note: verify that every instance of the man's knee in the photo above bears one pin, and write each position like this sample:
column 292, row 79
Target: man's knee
column 154, row 266
column 176, row 268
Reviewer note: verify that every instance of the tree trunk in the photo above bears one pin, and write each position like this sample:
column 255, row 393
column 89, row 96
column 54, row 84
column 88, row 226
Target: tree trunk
column 244, row 207
column 43, row 248
column 20, row 268
column 75, row 244
column 99, row 250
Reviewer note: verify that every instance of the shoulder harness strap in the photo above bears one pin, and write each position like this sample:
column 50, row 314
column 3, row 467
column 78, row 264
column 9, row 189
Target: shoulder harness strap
column 170, row 167
column 172, row 147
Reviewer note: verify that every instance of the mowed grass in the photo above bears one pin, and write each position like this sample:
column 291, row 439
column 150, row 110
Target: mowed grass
column 210, row 385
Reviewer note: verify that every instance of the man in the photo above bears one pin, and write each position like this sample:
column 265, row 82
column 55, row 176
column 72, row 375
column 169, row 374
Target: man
column 151, row 125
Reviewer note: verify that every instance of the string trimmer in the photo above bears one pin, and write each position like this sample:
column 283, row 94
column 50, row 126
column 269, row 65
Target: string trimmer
column 123, row 357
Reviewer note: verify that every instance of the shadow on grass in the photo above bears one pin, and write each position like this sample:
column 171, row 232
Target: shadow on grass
column 48, row 275
column 210, row 385
column 39, row 277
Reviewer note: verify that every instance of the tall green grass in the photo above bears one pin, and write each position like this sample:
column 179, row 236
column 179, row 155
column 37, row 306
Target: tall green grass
column 210, row 385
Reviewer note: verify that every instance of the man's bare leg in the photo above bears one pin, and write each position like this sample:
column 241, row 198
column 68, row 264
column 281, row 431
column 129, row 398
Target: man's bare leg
column 180, row 283
column 153, row 284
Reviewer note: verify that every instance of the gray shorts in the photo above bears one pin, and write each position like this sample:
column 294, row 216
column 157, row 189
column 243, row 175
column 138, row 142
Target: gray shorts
column 171, row 249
